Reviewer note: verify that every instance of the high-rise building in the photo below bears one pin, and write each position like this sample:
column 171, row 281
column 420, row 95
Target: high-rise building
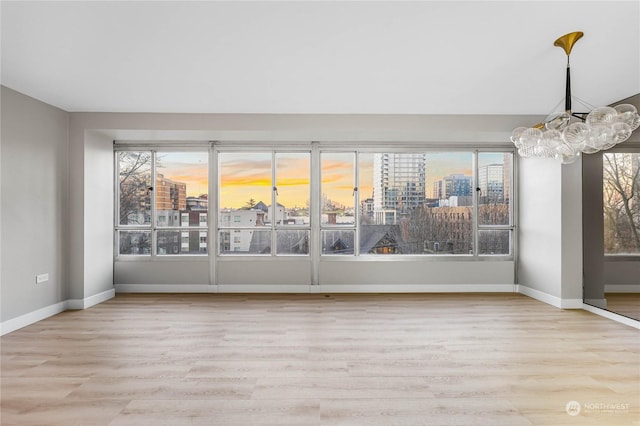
column 455, row 185
column 366, row 208
column 170, row 195
column 506, row 175
column 398, row 184
column 491, row 183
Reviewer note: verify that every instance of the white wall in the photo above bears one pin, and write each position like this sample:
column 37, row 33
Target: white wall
column 34, row 209
column 550, row 231
column 540, row 243
column 98, row 213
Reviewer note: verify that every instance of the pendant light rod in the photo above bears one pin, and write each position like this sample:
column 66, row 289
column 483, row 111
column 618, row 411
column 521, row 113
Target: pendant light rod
column 566, row 42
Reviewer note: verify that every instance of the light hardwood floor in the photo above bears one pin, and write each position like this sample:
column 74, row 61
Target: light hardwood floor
column 434, row 359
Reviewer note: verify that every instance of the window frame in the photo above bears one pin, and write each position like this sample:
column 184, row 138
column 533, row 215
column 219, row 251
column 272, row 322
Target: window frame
column 617, row 257
column 315, row 226
column 274, row 228
column 152, row 226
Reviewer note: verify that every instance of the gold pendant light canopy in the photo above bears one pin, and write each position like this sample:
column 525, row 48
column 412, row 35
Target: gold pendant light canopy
column 568, row 40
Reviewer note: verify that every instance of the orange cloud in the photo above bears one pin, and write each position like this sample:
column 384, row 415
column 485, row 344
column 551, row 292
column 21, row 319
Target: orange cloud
column 293, row 181
column 246, row 181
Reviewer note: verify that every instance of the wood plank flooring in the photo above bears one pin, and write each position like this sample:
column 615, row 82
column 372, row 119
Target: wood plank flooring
column 431, row 359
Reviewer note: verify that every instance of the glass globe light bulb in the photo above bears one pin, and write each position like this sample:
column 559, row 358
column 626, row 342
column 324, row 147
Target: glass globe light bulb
column 515, row 135
column 575, row 134
column 621, row 132
column 602, row 116
column 530, row 136
column 566, row 154
column 628, row 113
column 597, row 139
column 557, row 121
column 568, row 159
column 548, row 143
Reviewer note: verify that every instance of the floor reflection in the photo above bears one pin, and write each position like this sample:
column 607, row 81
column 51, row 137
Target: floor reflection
column 627, row 304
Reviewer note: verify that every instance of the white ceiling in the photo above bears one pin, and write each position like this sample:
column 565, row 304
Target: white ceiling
column 429, row 57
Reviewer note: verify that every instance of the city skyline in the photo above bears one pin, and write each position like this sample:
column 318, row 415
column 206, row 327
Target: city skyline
column 246, row 176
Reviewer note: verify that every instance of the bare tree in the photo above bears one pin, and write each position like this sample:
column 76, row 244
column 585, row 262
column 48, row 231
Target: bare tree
column 134, row 186
column 621, row 197
column 438, row 230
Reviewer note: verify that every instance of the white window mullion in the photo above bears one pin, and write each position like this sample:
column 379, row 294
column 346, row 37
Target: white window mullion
column 476, row 200
column 315, row 200
column 274, row 204
column 212, row 215
column 152, row 197
column 356, row 200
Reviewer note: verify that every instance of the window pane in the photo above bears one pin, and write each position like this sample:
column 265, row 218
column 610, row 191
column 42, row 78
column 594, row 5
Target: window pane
column 494, row 181
column 245, row 241
column 134, row 242
column 245, row 185
column 174, row 242
column 365, row 188
column 621, row 197
column 182, row 185
column 398, row 185
column 400, row 218
column 293, row 171
column 338, row 241
column 494, row 242
column 292, row 241
column 443, row 230
column 446, row 225
column 338, row 182
column 134, row 169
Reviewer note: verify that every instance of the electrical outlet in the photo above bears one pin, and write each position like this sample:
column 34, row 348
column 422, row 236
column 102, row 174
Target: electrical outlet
column 42, row 278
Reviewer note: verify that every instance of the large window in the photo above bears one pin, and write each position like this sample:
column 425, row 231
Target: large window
column 264, row 203
column 168, row 216
column 621, row 202
column 333, row 202
column 416, row 203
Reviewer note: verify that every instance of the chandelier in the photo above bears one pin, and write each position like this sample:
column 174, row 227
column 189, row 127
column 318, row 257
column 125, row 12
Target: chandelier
column 567, row 134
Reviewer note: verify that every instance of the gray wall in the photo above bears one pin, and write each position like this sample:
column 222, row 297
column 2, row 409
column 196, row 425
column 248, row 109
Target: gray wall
column 34, row 200
column 91, row 136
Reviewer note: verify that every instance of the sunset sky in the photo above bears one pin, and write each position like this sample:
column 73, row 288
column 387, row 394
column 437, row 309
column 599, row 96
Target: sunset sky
column 245, row 176
column 188, row 167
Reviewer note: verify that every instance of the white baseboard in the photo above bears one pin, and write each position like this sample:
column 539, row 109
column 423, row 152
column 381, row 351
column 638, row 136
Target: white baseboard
column 165, row 288
column 549, row 299
column 610, row 315
column 322, row 288
column 32, row 317
column 48, row 311
column 265, row 288
column 91, row 300
column 413, row 288
column 622, row 288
